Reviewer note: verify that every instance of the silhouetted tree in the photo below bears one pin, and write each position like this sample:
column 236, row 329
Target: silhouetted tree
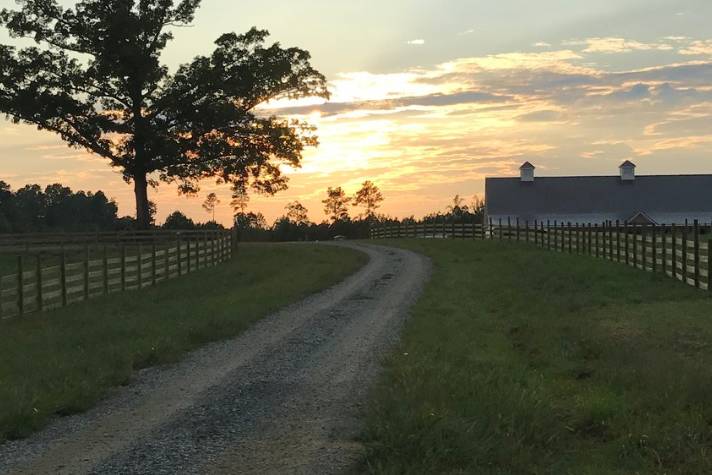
column 336, row 204
column 240, row 199
column 297, row 213
column 211, row 202
column 178, row 221
column 98, row 83
column 370, row 198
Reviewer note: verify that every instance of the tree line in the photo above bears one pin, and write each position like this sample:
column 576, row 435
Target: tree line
column 56, row 208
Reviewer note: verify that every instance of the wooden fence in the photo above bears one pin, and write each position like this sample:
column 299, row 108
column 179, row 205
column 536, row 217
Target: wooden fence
column 121, row 265
column 681, row 252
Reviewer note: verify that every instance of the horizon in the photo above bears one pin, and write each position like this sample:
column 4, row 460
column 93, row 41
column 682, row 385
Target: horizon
column 430, row 105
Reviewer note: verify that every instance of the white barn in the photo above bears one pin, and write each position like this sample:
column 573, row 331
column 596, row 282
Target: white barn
column 626, row 198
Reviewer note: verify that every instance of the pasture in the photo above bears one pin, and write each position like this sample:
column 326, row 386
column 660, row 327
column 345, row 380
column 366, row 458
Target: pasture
column 62, row 361
column 521, row 360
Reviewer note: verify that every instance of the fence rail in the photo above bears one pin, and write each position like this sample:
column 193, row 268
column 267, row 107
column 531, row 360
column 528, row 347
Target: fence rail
column 119, row 266
column 681, row 252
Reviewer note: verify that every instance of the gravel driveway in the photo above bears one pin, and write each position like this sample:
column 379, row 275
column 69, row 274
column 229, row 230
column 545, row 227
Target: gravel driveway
column 284, row 397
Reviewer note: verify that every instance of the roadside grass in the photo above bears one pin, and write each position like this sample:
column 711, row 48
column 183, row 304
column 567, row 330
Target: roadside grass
column 520, row 360
column 61, row 362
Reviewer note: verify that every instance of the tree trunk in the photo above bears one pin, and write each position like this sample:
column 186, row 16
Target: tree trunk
column 143, row 216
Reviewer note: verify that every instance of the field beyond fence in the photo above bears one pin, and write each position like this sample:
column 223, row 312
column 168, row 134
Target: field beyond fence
column 681, row 252
column 55, row 270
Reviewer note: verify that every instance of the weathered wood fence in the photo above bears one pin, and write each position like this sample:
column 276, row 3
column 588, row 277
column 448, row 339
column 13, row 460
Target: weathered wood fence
column 85, row 266
column 681, row 252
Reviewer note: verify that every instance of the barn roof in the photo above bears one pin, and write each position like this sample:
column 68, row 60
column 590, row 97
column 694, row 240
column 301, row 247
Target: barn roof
column 599, row 194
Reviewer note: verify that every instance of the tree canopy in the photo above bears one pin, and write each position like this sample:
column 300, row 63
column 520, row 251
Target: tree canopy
column 369, row 196
column 95, row 78
column 336, row 204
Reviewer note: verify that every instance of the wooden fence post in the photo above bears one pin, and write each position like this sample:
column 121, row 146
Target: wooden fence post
column 153, row 262
column 38, row 280
column 548, row 235
column 179, row 254
column 674, row 251
column 63, row 276
column 697, row 253
column 123, row 266
column 20, row 286
column 684, row 253
column 618, row 240
column 709, row 265
column 499, row 230
column 655, row 248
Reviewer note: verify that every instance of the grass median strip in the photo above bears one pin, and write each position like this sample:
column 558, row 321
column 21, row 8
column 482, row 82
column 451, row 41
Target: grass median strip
column 62, row 362
column 520, row 360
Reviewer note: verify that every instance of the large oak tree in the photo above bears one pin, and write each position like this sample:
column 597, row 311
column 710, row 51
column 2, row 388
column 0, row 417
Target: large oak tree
column 96, row 79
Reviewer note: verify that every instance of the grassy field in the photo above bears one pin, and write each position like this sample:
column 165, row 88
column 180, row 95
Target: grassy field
column 518, row 360
column 63, row 361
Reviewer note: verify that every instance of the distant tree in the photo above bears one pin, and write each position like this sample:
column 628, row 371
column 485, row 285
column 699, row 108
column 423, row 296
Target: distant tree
column 370, row 198
column 178, row 221
column 477, row 208
column 250, row 221
column 336, row 204
column 458, row 209
column 96, row 80
column 211, row 202
column 297, row 213
column 240, row 199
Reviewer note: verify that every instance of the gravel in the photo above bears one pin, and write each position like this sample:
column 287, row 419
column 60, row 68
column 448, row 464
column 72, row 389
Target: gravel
column 284, row 397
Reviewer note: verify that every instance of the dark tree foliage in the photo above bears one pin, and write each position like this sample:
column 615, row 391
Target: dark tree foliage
column 336, row 204
column 370, row 198
column 178, row 221
column 95, row 79
column 56, row 208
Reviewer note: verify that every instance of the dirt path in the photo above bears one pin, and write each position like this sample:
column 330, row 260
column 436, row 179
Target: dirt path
column 284, row 397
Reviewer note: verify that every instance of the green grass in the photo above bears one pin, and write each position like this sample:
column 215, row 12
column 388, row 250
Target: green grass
column 518, row 360
column 62, row 362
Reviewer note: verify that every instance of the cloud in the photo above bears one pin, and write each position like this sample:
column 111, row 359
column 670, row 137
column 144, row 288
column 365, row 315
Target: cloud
column 466, row 32
column 616, row 45
column 699, row 48
column 542, row 44
column 418, row 42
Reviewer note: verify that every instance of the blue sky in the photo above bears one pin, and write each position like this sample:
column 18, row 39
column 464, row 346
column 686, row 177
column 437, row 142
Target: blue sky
column 432, row 96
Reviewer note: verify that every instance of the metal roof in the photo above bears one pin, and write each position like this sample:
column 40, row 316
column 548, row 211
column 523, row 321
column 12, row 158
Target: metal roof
column 599, row 194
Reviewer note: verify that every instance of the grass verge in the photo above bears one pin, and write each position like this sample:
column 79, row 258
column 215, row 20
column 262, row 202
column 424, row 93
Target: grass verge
column 62, row 362
column 519, row 360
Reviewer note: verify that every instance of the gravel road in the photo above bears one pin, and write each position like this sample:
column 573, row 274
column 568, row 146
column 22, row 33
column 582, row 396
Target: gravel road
column 284, row 397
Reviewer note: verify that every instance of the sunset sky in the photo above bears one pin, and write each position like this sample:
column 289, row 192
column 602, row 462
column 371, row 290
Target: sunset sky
column 431, row 96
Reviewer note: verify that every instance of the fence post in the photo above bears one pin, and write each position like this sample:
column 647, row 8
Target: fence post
column 697, row 254
column 618, row 240
column 212, row 251
column 491, row 228
column 548, row 235
column 166, row 263
column 63, row 276
column 499, row 230
column 20, row 286
column 684, row 253
column 709, row 265
column 123, row 266
column 38, row 280
column 179, row 254
column 663, row 251
column 597, row 242
column 655, row 248
column 153, row 262
column 674, row 251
